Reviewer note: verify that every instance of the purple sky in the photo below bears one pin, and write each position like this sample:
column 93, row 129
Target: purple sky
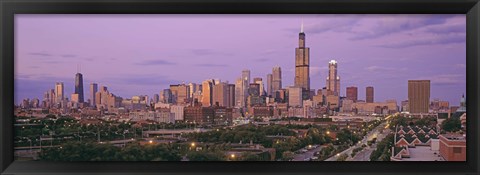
column 143, row 54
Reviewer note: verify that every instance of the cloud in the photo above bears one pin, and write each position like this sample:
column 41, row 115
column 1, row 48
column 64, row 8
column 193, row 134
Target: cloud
column 445, row 79
column 40, row 54
column 431, row 40
column 394, row 24
column 314, row 71
column 206, row 52
column 212, row 65
column 333, row 23
column 381, row 69
column 262, row 59
column 139, row 79
column 336, row 25
column 460, row 66
column 69, row 56
column 155, row 62
column 447, row 29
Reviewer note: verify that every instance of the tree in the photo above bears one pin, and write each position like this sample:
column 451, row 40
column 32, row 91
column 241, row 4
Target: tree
column 250, row 157
column 287, row 155
column 451, row 125
column 206, row 156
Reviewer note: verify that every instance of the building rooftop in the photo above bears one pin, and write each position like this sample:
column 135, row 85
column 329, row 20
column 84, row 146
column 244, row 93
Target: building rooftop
column 454, row 136
column 423, row 153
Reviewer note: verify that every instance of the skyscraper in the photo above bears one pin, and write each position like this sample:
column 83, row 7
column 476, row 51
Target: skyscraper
column 245, row 85
column 231, row 95
column 302, row 63
column 93, row 90
column 207, row 92
column 192, row 89
column 220, row 94
column 295, row 96
column 269, row 84
column 260, row 82
column 59, row 92
column 352, row 93
column 276, row 79
column 418, row 96
column 156, row 98
column 369, row 95
column 333, row 80
column 239, row 95
column 79, row 87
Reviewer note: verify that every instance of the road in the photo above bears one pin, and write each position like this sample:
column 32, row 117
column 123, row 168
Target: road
column 308, row 154
column 364, row 155
column 370, row 135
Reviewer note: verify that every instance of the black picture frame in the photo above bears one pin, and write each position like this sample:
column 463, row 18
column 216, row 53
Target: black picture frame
column 8, row 8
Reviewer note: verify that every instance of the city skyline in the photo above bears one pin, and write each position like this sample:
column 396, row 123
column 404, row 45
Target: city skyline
column 34, row 74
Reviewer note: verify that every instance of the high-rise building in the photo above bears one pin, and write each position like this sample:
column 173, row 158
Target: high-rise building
column 260, row 82
column 75, row 98
column 231, row 95
column 254, row 90
column 207, row 92
column 276, row 79
column 295, row 97
column 59, row 92
column 220, row 94
column 418, row 96
column 182, row 94
column 333, row 80
column 156, row 98
column 369, row 98
column 246, row 83
column 79, row 87
column 192, row 87
column 269, row 84
column 302, row 63
column 352, row 93
column 166, row 96
column 239, row 96
column 93, row 90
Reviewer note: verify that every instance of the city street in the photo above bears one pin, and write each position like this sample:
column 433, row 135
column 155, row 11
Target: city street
column 308, row 154
column 364, row 155
column 375, row 133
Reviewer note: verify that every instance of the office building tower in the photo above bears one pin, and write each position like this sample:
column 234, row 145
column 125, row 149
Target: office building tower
column 192, row 87
column 239, row 95
column 260, row 82
column 369, row 98
column 79, row 87
column 276, row 79
column 269, row 84
column 156, row 98
column 59, row 92
column 246, row 82
column 295, row 97
column 333, row 80
column 207, row 92
column 231, row 95
column 220, row 94
column 166, row 96
column 352, row 93
column 254, row 89
column 418, row 96
column 302, row 63
column 93, row 91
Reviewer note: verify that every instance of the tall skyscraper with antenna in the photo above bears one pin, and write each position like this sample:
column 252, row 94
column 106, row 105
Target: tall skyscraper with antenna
column 302, row 65
column 79, row 85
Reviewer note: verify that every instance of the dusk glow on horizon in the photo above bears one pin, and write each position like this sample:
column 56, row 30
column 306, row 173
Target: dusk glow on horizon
column 144, row 54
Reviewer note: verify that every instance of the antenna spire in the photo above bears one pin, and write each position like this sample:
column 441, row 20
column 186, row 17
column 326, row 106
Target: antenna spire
column 301, row 28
